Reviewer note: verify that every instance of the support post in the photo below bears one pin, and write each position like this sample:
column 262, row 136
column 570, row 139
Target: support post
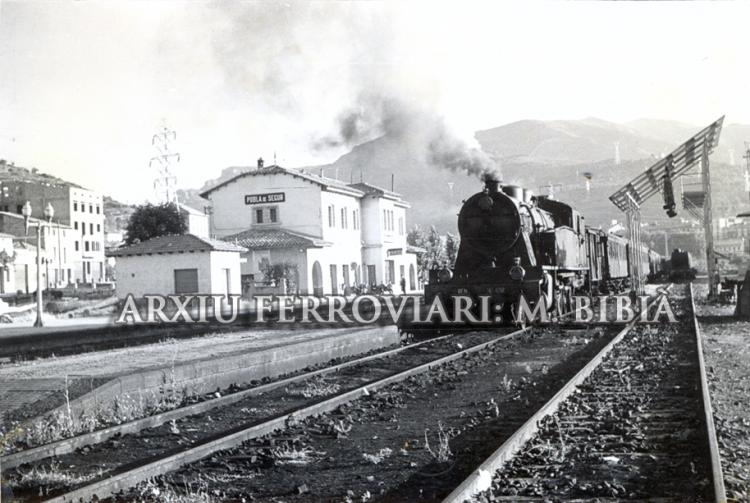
column 39, row 322
column 708, row 224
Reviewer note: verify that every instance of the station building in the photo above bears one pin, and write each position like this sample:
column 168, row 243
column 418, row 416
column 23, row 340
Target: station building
column 326, row 235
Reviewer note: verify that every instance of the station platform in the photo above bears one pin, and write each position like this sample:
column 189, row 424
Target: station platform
column 200, row 365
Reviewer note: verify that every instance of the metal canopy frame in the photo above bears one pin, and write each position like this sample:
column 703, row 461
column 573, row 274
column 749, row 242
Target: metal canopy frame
column 679, row 161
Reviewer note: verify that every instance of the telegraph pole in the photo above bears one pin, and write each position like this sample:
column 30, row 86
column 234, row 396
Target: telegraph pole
column 165, row 182
column 747, row 167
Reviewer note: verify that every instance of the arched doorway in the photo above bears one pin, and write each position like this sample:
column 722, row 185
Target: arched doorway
column 412, row 278
column 317, row 279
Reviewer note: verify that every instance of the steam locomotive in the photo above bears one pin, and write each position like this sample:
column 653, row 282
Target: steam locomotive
column 514, row 243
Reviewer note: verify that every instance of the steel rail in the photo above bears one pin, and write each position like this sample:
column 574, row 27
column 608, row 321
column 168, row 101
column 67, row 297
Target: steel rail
column 130, row 477
column 720, row 495
column 70, row 444
column 481, row 478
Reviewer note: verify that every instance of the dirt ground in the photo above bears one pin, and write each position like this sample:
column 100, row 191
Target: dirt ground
column 726, row 346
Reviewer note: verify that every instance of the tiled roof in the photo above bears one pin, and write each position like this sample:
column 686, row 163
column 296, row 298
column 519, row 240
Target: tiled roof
column 265, row 239
column 305, row 175
column 174, row 244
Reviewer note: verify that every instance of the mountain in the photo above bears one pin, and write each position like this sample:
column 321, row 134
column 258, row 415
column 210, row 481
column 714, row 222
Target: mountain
column 566, row 142
column 536, row 154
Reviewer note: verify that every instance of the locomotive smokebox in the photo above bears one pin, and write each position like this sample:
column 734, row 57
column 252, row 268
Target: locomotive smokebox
column 491, row 183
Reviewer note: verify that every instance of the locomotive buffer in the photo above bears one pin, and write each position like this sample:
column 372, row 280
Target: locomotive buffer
column 660, row 178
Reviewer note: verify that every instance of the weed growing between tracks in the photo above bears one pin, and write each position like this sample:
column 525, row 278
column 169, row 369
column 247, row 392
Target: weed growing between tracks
column 48, row 477
column 442, row 453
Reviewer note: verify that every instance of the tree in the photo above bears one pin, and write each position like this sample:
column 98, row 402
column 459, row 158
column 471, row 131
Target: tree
column 150, row 221
column 416, row 237
column 274, row 273
column 451, row 249
column 435, row 255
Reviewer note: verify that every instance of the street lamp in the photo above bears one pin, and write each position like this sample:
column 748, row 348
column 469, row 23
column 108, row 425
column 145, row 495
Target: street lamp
column 49, row 212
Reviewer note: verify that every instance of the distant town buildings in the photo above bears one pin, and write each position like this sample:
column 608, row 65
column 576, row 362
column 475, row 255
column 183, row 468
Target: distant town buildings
column 74, row 241
column 328, row 235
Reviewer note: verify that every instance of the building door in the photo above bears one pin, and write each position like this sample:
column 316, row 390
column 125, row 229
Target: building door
column 317, row 279
column 355, row 270
column 334, row 280
column 185, row 281
column 412, row 278
column 345, row 272
column 371, row 279
column 390, row 271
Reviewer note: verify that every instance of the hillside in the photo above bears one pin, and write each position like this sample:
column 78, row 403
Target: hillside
column 535, row 154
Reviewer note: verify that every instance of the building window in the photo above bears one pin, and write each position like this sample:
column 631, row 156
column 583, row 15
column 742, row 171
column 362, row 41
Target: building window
column 83, row 228
column 331, row 216
column 97, row 209
column 75, row 206
column 272, row 215
column 401, row 225
column 385, row 220
column 76, row 245
column 355, row 219
column 98, row 227
column 91, row 209
column 75, row 225
column 19, row 209
column 86, row 245
column 259, row 216
column 344, row 219
column 91, row 228
column 185, row 281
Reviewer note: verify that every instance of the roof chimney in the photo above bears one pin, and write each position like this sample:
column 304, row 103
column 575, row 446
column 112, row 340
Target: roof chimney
column 260, row 162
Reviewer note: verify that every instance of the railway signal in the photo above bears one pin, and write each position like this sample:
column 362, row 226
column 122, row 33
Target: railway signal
column 660, row 177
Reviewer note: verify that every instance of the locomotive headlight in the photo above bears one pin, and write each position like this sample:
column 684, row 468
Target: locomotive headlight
column 517, row 273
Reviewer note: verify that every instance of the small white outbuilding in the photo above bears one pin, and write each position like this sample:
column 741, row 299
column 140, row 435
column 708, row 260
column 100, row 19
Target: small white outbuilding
column 180, row 264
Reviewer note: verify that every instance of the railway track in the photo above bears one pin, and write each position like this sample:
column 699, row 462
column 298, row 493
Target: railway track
column 635, row 423
column 207, row 427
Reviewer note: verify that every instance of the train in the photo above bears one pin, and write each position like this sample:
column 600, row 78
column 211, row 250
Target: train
column 514, row 243
column 679, row 267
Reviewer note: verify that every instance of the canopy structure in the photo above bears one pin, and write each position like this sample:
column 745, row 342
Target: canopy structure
column 673, row 166
column 659, row 178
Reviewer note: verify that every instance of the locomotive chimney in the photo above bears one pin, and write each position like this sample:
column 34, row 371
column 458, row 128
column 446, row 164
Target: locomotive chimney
column 260, row 163
column 491, row 183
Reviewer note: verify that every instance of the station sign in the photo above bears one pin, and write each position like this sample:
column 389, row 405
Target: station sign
column 394, row 251
column 273, row 197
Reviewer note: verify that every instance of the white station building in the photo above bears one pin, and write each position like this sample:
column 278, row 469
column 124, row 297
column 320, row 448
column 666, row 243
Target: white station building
column 328, row 235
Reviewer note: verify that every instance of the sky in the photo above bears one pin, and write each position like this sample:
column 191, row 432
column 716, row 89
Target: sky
column 84, row 85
